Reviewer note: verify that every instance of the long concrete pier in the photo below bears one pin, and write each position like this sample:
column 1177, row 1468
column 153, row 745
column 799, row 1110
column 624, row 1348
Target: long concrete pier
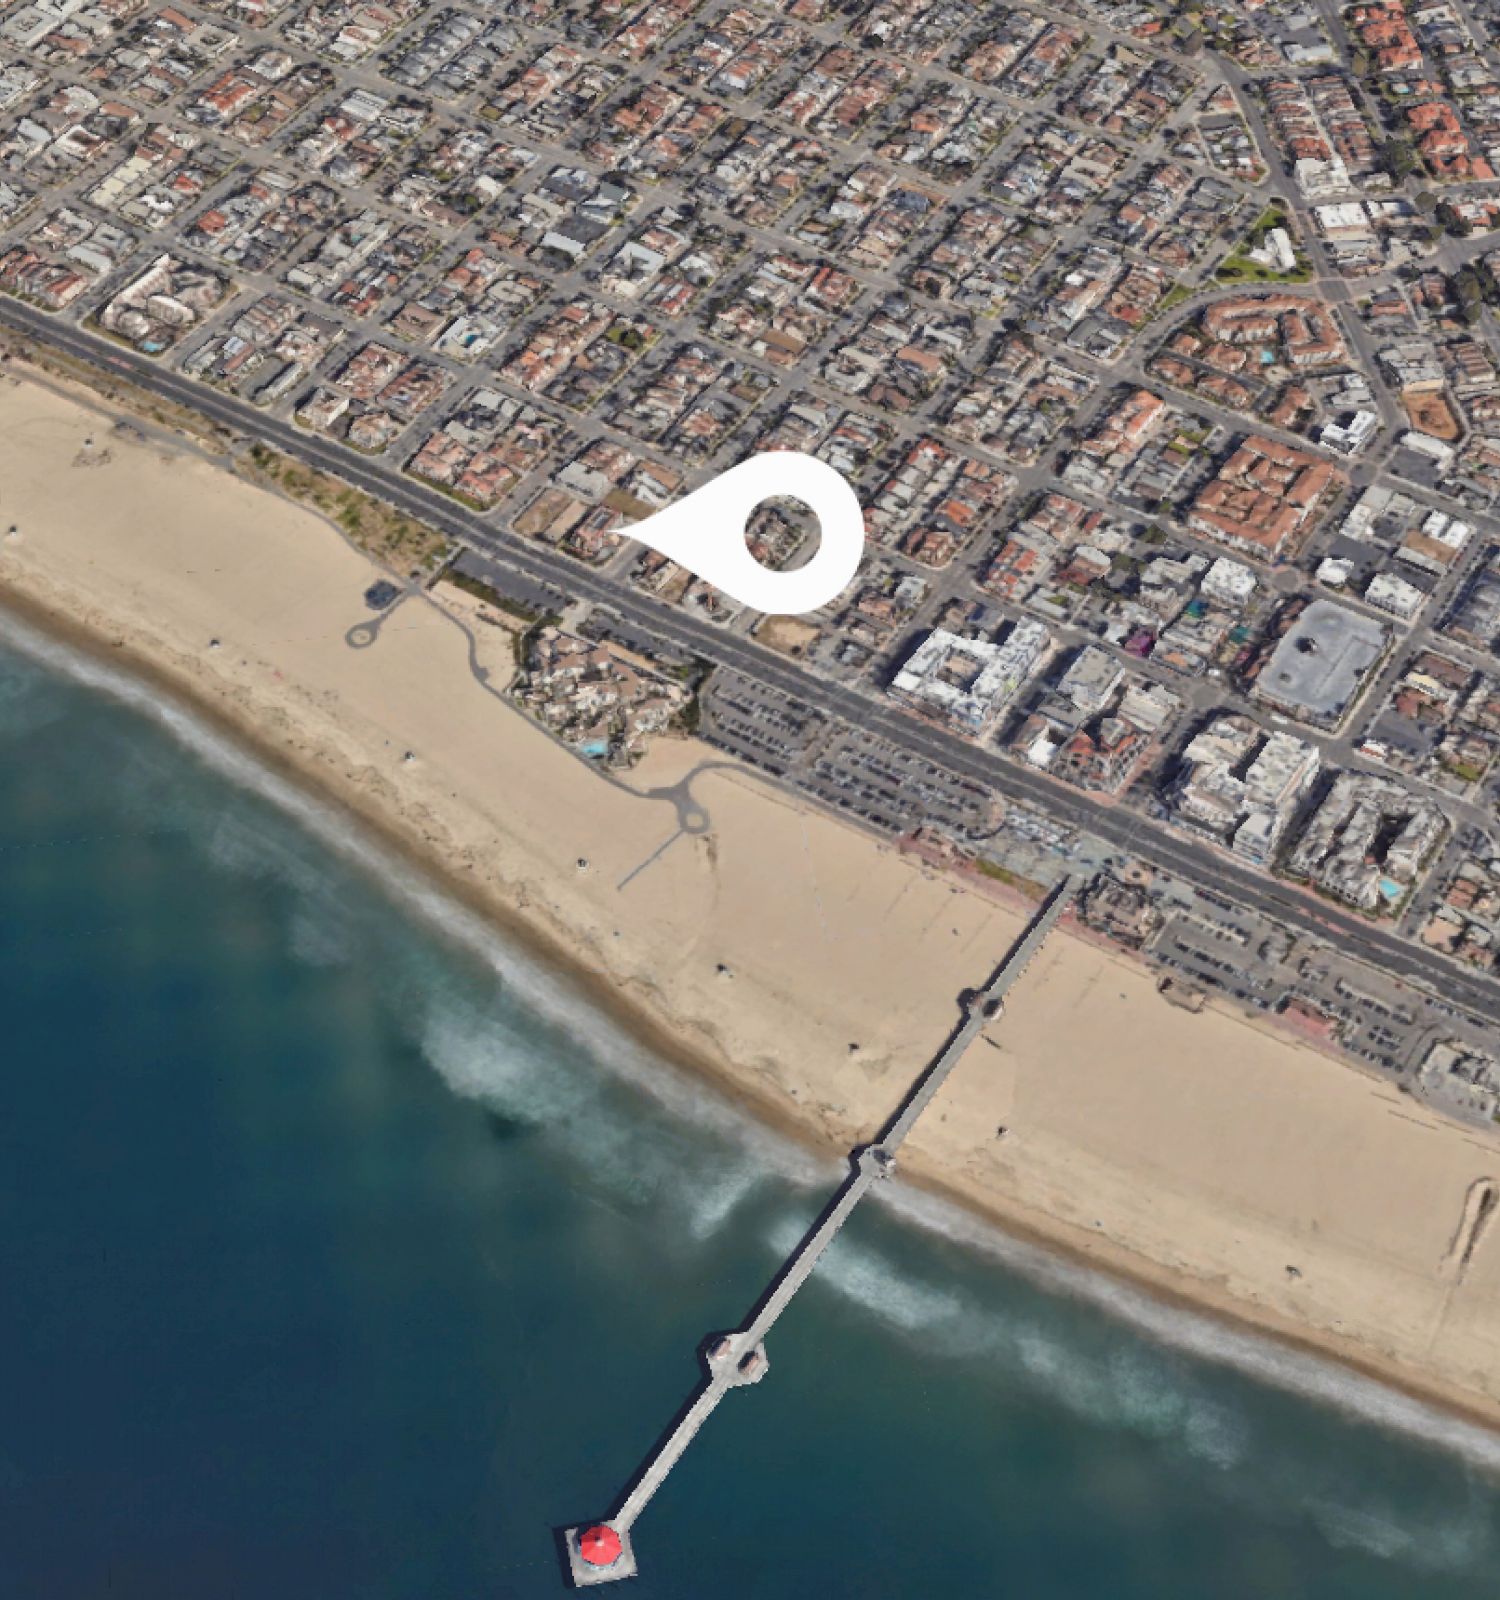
column 603, row 1552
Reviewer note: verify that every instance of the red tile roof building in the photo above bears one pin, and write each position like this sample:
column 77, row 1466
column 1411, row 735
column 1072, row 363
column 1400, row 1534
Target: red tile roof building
column 1263, row 497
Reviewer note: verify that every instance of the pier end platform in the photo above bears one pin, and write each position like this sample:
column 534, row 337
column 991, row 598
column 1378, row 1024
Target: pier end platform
column 589, row 1546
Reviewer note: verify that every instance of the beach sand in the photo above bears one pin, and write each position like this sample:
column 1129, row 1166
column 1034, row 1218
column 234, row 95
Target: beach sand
column 807, row 967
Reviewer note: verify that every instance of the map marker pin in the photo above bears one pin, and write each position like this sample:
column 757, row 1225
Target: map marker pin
column 706, row 532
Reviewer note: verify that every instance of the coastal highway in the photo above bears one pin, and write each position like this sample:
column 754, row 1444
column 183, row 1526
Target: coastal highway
column 1127, row 831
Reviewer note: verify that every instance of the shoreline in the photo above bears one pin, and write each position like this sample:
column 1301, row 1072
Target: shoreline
column 980, row 1228
column 649, row 1032
column 645, row 1012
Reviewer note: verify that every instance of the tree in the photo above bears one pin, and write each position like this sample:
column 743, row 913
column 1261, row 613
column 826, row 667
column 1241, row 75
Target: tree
column 1399, row 158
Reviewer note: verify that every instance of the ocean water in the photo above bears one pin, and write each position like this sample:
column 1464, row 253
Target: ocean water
column 347, row 1252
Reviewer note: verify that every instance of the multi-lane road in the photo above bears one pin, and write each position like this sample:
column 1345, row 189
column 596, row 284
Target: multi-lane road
column 1127, row 831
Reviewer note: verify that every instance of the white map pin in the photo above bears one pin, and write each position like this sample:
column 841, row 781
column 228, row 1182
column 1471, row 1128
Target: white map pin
column 706, row 532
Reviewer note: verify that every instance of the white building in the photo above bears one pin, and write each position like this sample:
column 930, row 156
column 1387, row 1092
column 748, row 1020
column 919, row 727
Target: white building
column 1425, row 445
column 1351, row 434
column 1275, row 251
column 1091, row 680
column 1231, row 583
column 1396, row 595
column 1322, row 180
column 1241, row 785
column 1346, row 221
column 1368, row 841
column 969, row 682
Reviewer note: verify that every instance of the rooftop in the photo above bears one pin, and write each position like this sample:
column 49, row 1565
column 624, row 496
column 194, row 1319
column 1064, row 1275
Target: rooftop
column 969, row 680
column 1318, row 665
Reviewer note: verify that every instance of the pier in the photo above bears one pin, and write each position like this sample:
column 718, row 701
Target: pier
column 603, row 1552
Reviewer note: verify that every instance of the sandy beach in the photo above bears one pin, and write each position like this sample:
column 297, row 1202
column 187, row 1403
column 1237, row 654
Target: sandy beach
column 808, row 968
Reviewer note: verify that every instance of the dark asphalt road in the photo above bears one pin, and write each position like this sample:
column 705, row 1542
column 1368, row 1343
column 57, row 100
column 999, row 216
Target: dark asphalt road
column 1124, row 829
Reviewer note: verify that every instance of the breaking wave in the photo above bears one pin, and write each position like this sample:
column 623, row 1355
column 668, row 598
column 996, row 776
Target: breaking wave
column 1131, row 1388
column 1022, row 1345
column 1309, row 1376
column 491, row 1053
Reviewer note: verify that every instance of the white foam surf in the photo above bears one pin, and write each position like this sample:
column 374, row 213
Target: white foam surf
column 478, row 1057
column 1144, row 1389
column 864, row 1276
column 487, row 1054
column 1309, row 1376
column 528, row 981
column 1132, row 1389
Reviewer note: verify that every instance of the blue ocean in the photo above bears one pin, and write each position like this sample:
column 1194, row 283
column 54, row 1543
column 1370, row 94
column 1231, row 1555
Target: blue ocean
column 348, row 1251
